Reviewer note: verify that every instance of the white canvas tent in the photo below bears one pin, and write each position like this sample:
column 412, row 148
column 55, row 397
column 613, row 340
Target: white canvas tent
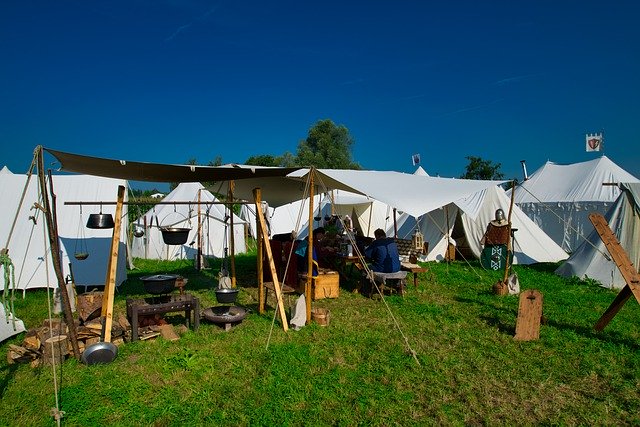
column 591, row 259
column 29, row 246
column 216, row 232
column 465, row 221
column 8, row 327
column 559, row 198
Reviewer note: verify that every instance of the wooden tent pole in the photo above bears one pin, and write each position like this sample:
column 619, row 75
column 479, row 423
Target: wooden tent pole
column 199, row 234
column 307, row 287
column 55, row 255
column 395, row 224
column 506, row 264
column 110, row 282
column 257, row 196
column 232, row 239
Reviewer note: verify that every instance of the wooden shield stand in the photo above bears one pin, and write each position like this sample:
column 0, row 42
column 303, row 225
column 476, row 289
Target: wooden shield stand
column 629, row 272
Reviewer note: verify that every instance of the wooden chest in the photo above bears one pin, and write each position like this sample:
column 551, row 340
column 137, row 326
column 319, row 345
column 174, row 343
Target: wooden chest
column 325, row 285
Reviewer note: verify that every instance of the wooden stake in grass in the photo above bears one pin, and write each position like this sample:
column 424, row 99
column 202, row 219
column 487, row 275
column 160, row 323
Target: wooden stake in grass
column 529, row 315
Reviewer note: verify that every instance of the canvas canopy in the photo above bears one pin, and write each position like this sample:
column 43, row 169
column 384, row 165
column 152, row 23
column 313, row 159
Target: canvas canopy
column 559, row 198
column 591, row 260
column 29, row 245
column 464, row 222
column 216, row 226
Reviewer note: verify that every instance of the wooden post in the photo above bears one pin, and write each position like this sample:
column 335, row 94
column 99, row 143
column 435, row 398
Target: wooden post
column 257, row 196
column 274, row 273
column 307, row 286
column 395, row 224
column 199, row 234
column 110, row 282
column 232, row 241
column 509, row 252
column 55, row 254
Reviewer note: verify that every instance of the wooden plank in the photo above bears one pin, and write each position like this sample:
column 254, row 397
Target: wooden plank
column 110, row 284
column 272, row 265
column 624, row 264
column 529, row 314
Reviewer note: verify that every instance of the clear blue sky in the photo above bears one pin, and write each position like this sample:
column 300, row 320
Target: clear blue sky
column 166, row 81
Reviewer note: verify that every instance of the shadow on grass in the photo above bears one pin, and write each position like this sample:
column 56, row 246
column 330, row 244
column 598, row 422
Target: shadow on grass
column 7, row 378
column 493, row 312
column 588, row 332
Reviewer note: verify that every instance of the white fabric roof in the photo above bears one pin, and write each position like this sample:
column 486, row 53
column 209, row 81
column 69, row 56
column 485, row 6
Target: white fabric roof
column 7, row 325
column 410, row 193
column 588, row 260
column 152, row 246
column 29, row 248
column 576, row 182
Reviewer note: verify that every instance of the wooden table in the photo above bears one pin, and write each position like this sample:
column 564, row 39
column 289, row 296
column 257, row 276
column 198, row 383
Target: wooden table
column 166, row 304
column 413, row 268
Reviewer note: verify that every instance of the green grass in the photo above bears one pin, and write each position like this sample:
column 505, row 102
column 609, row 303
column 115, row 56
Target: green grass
column 358, row 370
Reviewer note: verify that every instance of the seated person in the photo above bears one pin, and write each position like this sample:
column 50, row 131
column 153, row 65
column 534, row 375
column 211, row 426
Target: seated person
column 383, row 253
column 301, row 252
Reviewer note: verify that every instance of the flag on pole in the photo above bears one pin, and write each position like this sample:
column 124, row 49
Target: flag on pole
column 594, row 142
column 415, row 159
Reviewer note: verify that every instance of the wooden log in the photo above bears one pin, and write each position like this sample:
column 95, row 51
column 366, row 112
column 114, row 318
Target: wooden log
column 169, row 333
column 31, row 341
column 55, row 350
column 89, row 305
column 18, row 354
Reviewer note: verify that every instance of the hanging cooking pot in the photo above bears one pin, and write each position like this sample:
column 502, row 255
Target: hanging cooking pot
column 100, row 221
column 100, row 352
column 175, row 235
column 138, row 231
column 226, row 295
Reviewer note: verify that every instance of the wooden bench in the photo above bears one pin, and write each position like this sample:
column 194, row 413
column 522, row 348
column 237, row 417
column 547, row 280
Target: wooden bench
column 395, row 281
column 406, row 250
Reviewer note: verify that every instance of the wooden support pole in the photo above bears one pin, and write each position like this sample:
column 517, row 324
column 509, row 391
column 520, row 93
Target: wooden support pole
column 509, row 251
column 232, row 240
column 110, row 282
column 257, row 196
column 274, row 273
column 55, row 255
column 308, row 283
column 199, row 234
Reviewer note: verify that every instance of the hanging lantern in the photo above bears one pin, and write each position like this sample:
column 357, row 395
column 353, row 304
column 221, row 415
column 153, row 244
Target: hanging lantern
column 418, row 241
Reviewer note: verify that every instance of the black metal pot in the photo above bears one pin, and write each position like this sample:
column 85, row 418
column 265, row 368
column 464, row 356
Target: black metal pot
column 226, row 296
column 175, row 235
column 159, row 284
column 99, row 221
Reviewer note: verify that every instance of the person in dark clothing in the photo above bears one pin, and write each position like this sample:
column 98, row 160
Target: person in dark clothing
column 383, row 253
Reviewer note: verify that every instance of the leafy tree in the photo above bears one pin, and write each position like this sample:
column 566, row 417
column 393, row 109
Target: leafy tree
column 327, row 146
column 482, row 169
column 215, row 162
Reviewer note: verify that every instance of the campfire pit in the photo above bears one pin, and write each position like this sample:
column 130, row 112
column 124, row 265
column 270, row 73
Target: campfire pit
column 225, row 316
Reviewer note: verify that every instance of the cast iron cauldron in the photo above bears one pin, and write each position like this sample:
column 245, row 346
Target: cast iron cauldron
column 226, row 296
column 159, row 284
column 175, row 235
column 99, row 221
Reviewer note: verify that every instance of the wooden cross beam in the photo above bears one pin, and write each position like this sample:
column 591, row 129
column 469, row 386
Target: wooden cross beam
column 624, row 264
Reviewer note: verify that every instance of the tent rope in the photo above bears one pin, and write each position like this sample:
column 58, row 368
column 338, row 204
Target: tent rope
column 369, row 275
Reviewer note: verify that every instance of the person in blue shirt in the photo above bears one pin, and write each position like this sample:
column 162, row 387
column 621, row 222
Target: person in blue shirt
column 383, row 253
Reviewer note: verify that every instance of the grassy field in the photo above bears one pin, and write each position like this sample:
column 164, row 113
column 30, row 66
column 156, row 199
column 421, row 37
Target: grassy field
column 357, row 370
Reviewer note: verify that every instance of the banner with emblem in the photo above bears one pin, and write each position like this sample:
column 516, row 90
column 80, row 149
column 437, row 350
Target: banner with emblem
column 594, row 142
column 415, row 159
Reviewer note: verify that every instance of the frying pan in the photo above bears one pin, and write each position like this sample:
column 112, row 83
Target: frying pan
column 100, row 352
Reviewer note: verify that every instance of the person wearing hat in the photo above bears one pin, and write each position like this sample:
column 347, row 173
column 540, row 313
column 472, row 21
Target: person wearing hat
column 498, row 230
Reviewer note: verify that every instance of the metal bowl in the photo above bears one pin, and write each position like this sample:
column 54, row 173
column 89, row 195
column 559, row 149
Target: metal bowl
column 226, row 296
column 159, row 284
column 100, row 221
column 100, row 352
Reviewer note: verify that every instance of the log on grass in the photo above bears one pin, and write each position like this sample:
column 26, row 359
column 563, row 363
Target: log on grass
column 55, row 349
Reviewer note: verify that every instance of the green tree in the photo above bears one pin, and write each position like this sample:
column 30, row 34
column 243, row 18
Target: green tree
column 327, row 146
column 193, row 161
column 479, row 168
column 286, row 160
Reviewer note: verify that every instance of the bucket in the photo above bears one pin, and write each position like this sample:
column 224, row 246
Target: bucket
column 500, row 288
column 320, row 316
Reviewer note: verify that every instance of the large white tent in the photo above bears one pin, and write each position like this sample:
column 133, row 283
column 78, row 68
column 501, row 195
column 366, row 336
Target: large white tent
column 216, row 226
column 591, row 259
column 29, row 245
column 559, row 198
column 465, row 221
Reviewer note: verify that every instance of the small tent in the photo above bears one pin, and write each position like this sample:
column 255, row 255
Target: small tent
column 559, row 198
column 591, row 259
column 464, row 222
column 215, row 220
column 29, row 245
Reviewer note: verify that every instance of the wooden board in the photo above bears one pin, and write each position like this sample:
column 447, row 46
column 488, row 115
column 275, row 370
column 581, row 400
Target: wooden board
column 529, row 314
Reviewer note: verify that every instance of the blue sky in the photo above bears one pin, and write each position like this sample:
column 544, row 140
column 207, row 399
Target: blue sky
column 166, row 81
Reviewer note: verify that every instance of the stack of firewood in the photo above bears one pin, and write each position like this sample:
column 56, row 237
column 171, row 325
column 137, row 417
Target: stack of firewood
column 50, row 342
